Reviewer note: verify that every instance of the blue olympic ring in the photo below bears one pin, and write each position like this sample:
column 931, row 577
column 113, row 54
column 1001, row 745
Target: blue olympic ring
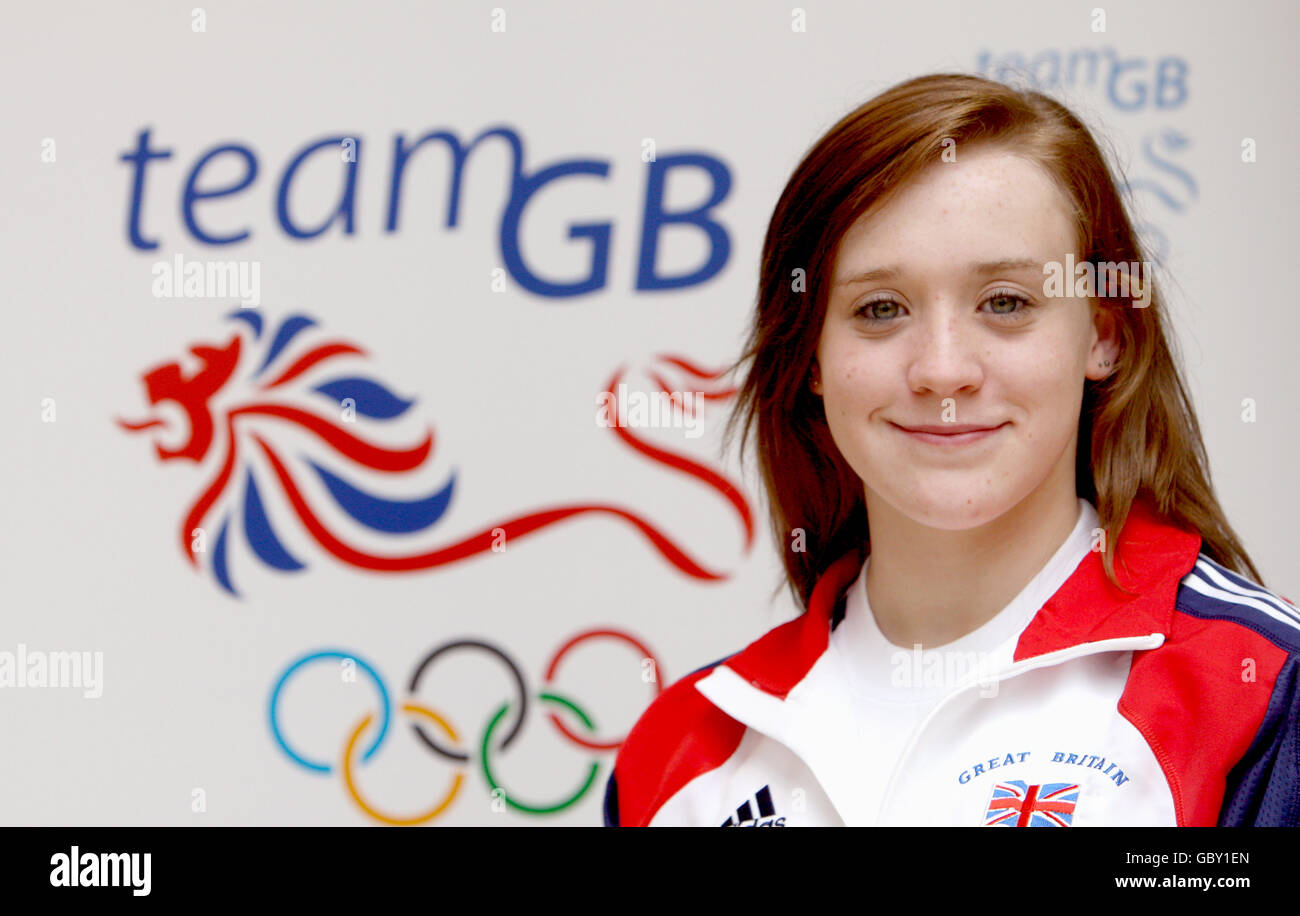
column 317, row 656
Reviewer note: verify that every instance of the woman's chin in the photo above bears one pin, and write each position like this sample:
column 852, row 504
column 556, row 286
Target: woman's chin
column 954, row 508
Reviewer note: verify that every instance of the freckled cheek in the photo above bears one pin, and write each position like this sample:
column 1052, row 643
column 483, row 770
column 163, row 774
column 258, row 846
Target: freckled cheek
column 1047, row 396
column 855, row 409
column 857, row 383
column 1044, row 376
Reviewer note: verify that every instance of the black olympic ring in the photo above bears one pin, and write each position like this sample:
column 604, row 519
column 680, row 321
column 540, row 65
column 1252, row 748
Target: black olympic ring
column 469, row 644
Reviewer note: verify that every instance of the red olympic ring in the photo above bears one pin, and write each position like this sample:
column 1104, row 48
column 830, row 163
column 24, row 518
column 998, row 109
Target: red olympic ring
column 583, row 637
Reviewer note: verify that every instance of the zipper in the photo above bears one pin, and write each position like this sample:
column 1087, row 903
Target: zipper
column 1047, row 660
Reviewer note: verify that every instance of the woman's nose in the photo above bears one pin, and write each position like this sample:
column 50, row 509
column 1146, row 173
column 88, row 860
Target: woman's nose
column 946, row 357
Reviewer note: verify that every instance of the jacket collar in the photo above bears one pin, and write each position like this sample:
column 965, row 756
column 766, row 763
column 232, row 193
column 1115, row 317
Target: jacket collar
column 1151, row 557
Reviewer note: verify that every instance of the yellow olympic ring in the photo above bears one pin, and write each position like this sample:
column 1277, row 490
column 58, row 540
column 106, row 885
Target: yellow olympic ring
column 393, row 820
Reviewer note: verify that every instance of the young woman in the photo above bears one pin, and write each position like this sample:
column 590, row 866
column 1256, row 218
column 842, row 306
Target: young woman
column 1023, row 605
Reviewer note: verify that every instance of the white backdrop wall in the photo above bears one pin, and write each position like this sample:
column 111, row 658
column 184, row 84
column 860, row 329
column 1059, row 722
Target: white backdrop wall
column 457, row 341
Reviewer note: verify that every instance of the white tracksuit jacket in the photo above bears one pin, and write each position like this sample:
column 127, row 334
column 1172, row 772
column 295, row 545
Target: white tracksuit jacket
column 1176, row 705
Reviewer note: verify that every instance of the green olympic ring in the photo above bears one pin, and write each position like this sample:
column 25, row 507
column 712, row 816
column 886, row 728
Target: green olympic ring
column 495, row 786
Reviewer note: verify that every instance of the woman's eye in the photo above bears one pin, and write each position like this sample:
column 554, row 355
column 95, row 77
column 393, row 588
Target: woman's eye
column 1004, row 302
column 877, row 311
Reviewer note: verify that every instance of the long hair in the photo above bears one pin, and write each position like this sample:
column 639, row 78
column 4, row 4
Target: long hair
column 1138, row 433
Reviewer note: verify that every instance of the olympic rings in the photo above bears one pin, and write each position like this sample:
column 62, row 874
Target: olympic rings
column 469, row 644
column 520, row 806
column 555, row 665
column 317, row 656
column 389, row 819
column 422, row 715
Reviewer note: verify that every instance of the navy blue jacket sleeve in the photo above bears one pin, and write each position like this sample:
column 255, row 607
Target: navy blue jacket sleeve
column 1263, row 789
column 611, row 802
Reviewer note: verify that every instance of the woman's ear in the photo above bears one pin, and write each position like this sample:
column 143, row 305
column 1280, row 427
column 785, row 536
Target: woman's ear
column 1104, row 355
column 815, row 378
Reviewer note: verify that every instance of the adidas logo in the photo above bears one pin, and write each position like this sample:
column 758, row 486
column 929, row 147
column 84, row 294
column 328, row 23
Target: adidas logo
column 744, row 816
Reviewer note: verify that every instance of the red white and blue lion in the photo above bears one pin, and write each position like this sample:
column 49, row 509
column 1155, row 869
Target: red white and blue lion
column 262, row 377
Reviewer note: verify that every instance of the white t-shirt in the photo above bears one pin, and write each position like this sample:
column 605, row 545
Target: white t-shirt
column 894, row 687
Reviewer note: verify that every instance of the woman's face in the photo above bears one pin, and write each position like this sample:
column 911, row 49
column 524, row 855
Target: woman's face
column 948, row 328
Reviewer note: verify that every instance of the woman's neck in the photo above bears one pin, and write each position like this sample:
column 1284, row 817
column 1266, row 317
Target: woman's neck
column 929, row 586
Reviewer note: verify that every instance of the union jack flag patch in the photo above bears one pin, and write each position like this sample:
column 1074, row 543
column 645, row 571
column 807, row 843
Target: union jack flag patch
column 1019, row 804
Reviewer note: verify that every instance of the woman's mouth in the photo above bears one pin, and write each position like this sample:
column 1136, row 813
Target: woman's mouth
column 950, row 435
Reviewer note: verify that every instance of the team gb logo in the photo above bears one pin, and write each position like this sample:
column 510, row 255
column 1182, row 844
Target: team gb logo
column 292, row 427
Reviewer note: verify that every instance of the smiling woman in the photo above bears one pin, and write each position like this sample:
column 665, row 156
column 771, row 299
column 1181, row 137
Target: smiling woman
column 952, row 387
column 1004, row 476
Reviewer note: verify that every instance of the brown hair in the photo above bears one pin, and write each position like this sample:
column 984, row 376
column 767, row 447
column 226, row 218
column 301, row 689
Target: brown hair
column 1138, row 434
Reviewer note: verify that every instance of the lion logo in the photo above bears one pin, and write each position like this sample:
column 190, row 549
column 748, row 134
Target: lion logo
column 294, row 416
